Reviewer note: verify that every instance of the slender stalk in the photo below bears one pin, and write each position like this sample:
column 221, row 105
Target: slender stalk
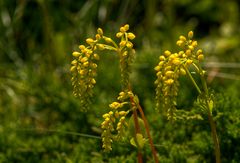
column 215, row 137
column 148, row 133
column 210, row 119
column 193, row 81
column 137, row 130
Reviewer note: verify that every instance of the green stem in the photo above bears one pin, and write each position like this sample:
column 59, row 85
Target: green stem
column 192, row 79
column 215, row 137
column 210, row 118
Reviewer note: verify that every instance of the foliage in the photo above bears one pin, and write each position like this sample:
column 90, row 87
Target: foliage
column 40, row 119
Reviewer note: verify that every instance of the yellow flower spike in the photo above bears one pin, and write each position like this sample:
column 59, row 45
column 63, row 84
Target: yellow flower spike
column 129, row 44
column 90, row 41
column 100, row 31
column 182, row 38
column 188, row 52
column 96, row 56
column 126, row 27
column 131, row 36
column 119, row 34
column 122, row 43
column 201, row 57
column 76, row 54
column 84, row 59
column 167, row 53
column 190, row 34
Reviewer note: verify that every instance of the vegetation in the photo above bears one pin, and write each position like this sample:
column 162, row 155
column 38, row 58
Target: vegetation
column 42, row 121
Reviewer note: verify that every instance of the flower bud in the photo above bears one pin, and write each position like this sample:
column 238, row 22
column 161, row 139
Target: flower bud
column 129, row 44
column 76, row 54
column 96, row 56
column 167, row 53
column 190, row 34
column 182, row 38
column 100, row 31
column 131, row 36
column 90, row 41
column 81, row 47
column 119, row 34
column 122, row 43
column 100, row 46
column 201, row 57
column 126, row 27
column 107, row 39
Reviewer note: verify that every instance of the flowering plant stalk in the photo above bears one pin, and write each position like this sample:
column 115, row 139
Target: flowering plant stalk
column 84, row 70
column 174, row 65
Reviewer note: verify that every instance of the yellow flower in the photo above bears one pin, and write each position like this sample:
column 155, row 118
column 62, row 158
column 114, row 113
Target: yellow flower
column 167, row 53
column 190, row 34
column 131, row 36
column 129, row 44
column 76, row 54
column 126, row 27
column 90, row 41
column 119, row 34
column 201, row 57
column 100, row 31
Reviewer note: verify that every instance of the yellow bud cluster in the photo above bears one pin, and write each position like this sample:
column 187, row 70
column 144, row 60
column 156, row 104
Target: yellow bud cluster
column 170, row 67
column 114, row 123
column 126, row 53
column 84, row 70
column 189, row 48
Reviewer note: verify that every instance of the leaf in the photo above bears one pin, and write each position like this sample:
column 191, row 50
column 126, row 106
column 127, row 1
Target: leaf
column 140, row 141
column 210, row 105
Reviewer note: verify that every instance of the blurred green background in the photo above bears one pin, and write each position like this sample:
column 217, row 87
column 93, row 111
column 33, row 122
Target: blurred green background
column 41, row 121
